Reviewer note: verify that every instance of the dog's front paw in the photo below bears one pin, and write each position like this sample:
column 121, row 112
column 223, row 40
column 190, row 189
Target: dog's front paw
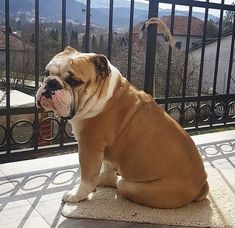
column 73, row 196
column 66, row 195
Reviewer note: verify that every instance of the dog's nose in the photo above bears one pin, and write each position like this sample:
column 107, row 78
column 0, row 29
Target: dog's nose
column 48, row 93
column 50, row 88
column 53, row 85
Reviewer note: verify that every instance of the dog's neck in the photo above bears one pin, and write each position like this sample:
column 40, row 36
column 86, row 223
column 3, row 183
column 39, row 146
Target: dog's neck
column 97, row 105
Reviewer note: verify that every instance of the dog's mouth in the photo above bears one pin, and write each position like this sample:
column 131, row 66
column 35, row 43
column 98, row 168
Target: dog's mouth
column 59, row 100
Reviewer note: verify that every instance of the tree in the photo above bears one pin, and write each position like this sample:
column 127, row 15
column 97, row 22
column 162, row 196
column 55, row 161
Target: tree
column 94, row 44
column 228, row 20
column 22, row 69
column 120, row 59
column 66, row 39
column 18, row 24
column 32, row 38
column 212, row 29
column 84, row 43
column 74, row 39
column 23, row 17
column 101, row 44
column 54, row 35
column 48, row 48
column 176, row 74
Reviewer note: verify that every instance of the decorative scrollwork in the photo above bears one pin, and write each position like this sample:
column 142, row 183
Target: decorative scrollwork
column 190, row 114
column 68, row 130
column 49, row 129
column 174, row 112
column 231, row 109
column 2, row 134
column 219, row 111
column 22, row 132
column 205, row 112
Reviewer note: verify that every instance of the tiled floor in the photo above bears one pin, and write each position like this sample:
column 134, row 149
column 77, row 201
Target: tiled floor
column 31, row 191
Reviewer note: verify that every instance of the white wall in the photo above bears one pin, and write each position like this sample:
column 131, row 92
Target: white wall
column 223, row 66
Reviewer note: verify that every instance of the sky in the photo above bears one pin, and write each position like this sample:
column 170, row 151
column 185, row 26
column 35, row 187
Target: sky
column 211, row 11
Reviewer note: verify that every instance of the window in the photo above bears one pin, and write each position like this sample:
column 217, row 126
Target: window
column 178, row 45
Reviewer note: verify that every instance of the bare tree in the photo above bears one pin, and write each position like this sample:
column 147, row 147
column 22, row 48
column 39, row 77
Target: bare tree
column 228, row 20
column 120, row 59
column 21, row 65
column 48, row 48
column 176, row 73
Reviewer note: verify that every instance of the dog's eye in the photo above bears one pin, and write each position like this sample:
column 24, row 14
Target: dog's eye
column 72, row 81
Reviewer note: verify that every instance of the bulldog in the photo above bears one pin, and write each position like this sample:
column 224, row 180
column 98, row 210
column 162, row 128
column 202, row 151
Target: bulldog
column 125, row 139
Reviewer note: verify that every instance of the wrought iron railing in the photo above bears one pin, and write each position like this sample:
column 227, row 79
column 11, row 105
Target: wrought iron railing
column 42, row 133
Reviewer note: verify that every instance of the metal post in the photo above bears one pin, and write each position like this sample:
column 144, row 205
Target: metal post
column 151, row 49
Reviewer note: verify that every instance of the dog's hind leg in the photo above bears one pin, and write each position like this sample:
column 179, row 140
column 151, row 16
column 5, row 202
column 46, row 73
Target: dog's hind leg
column 157, row 193
column 203, row 193
column 108, row 175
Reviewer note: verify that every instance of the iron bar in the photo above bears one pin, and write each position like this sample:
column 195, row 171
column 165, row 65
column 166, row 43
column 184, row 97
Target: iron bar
column 8, row 72
column 88, row 24
column 63, row 34
column 110, row 37
column 200, row 4
column 36, row 67
column 16, row 111
column 168, row 76
column 231, row 58
column 217, row 97
column 151, row 49
column 186, row 62
column 199, row 91
column 130, row 40
column 230, row 68
column 217, row 61
column 218, row 51
column 63, row 41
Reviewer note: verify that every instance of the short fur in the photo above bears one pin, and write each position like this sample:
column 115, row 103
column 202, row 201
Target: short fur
column 133, row 136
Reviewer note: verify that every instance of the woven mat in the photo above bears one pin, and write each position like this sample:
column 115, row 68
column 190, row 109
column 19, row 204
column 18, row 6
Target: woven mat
column 217, row 211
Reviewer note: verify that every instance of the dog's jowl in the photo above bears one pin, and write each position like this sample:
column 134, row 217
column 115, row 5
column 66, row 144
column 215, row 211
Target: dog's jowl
column 121, row 130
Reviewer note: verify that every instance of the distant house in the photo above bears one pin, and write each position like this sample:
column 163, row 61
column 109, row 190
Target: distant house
column 179, row 30
column 209, row 64
column 20, row 50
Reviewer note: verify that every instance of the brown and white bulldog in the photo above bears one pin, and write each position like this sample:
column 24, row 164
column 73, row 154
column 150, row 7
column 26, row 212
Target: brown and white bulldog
column 121, row 130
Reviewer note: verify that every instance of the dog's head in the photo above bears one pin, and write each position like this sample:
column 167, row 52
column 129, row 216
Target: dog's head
column 72, row 81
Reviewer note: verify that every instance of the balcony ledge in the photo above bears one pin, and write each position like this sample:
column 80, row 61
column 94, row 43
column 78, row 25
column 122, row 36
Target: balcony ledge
column 31, row 191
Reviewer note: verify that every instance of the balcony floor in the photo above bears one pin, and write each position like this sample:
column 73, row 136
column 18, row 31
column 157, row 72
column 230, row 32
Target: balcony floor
column 31, row 191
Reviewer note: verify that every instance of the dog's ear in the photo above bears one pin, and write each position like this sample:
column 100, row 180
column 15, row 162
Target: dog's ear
column 101, row 65
column 70, row 49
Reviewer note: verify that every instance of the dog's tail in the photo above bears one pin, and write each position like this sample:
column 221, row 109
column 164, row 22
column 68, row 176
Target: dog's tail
column 155, row 20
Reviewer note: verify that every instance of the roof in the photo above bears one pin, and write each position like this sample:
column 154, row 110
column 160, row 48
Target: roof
column 180, row 26
column 211, row 41
column 16, row 42
column 17, row 98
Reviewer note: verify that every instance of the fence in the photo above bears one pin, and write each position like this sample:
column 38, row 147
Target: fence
column 26, row 132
